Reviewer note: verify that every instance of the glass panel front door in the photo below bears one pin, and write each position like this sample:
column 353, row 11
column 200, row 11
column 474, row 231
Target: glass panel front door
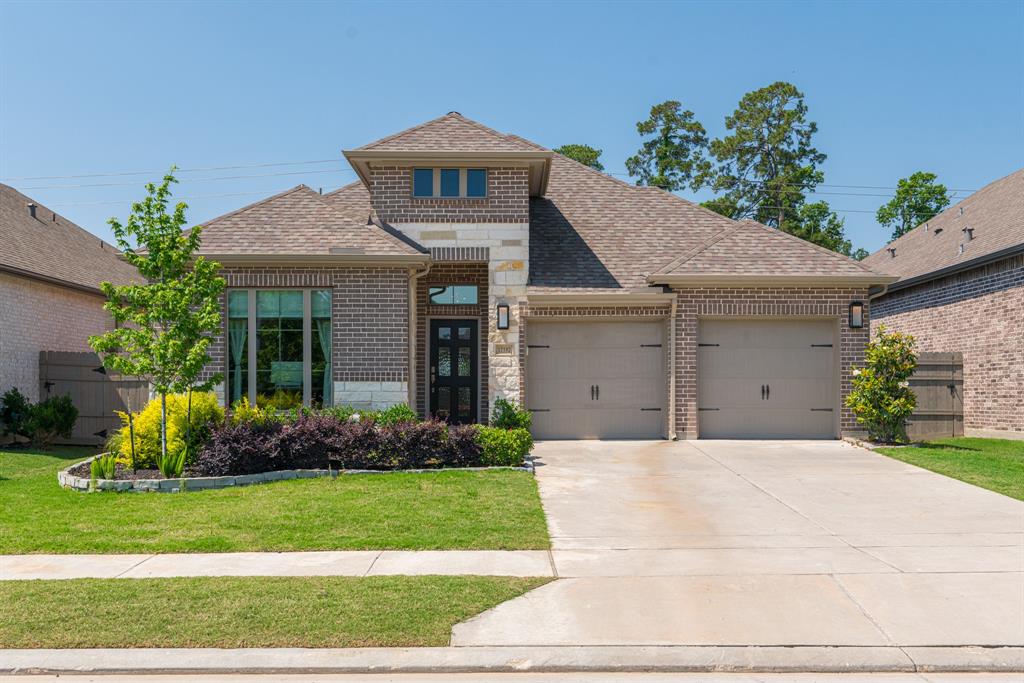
column 454, row 370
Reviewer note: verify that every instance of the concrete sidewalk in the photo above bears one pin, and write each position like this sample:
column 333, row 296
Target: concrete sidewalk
column 325, row 563
column 514, row 659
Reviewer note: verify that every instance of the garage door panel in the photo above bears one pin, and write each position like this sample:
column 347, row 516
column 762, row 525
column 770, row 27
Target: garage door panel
column 575, row 423
column 625, row 360
column 793, row 361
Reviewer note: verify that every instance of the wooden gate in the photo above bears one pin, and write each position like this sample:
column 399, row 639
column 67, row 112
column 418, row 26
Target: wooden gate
column 938, row 383
column 95, row 393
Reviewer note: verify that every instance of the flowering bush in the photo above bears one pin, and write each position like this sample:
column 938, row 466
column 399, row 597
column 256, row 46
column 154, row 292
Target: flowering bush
column 881, row 397
column 183, row 439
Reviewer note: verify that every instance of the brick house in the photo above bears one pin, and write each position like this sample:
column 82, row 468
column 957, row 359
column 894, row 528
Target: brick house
column 50, row 274
column 467, row 265
column 961, row 289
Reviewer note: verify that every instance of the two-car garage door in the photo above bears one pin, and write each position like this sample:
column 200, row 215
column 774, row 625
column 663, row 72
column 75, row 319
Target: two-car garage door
column 768, row 379
column 596, row 380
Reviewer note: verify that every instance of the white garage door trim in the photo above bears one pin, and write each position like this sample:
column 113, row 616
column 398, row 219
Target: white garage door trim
column 772, row 378
column 597, row 379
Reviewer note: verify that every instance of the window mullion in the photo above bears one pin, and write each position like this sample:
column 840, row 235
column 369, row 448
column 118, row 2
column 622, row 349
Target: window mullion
column 307, row 348
column 251, row 390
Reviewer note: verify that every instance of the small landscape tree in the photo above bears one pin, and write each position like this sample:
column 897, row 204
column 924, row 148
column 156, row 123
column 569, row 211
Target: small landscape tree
column 164, row 327
column 881, row 397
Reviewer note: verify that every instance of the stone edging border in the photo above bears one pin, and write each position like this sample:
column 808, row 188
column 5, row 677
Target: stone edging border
column 71, row 481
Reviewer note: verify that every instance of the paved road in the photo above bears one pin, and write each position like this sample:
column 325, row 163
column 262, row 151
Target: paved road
column 764, row 543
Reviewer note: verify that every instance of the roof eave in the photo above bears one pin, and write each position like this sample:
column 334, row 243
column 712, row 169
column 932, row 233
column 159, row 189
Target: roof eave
column 733, row 280
column 957, row 268
column 28, row 274
column 298, row 259
column 627, row 298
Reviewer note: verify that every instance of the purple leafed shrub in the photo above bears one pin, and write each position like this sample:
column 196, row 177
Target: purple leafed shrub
column 463, row 448
column 245, row 448
column 411, row 445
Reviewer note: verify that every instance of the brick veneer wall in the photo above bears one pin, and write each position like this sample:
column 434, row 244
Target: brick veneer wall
column 767, row 302
column 36, row 316
column 369, row 308
column 455, row 273
column 978, row 313
column 507, row 199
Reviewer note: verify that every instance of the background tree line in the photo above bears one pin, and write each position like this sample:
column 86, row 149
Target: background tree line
column 765, row 168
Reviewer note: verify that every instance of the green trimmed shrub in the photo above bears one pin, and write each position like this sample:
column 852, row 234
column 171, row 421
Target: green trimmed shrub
column 395, row 414
column 881, row 397
column 504, row 446
column 15, row 412
column 51, row 418
column 508, row 415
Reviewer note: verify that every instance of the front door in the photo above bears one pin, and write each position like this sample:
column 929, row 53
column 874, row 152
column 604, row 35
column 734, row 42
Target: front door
column 454, row 373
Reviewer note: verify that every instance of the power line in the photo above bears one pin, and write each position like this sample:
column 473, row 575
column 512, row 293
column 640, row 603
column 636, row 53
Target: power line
column 192, row 180
column 180, row 170
column 266, row 193
column 801, row 185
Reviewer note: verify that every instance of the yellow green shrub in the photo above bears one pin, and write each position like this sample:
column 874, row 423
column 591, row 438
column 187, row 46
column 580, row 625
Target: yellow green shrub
column 206, row 413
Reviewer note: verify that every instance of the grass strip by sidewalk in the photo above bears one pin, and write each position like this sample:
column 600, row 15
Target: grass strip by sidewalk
column 445, row 510
column 994, row 464
column 229, row 612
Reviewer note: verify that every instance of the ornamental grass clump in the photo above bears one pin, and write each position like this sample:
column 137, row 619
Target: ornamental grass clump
column 881, row 397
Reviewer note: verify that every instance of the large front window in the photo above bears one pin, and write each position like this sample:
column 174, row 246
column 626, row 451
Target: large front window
column 279, row 347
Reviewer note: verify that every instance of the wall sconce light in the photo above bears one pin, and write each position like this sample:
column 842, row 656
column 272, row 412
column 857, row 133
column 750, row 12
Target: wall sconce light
column 856, row 314
column 502, row 316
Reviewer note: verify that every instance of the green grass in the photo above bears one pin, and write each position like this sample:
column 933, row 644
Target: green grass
column 994, row 464
column 227, row 612
column 496, row 509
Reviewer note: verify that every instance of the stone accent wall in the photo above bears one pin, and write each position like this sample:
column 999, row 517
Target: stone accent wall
column 453, row 274
column 370, row 340
column 36, row 316
column 980, row 313
column 769, row 302
column 507, row 199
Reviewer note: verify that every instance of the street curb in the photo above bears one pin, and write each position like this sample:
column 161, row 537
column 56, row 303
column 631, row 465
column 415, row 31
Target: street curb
column 675, row 659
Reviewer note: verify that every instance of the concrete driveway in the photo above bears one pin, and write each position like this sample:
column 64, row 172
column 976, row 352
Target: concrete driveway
column 764, row 543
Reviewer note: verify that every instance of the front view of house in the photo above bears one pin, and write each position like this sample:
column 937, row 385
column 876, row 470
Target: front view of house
column 466, row 265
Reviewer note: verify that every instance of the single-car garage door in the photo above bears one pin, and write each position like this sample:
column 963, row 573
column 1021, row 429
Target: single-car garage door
column 596, row 380
column 771, row 379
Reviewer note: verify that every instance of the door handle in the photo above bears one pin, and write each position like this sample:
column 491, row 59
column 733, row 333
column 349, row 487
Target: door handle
column 762, row 392
column 768, row 391
column 598, row 392
column 591, row 392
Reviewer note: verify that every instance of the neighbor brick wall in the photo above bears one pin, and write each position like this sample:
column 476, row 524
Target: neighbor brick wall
column 507, row 200
column 768, row 302
column 980, row 313
column 36, row 316
column 453, row 273
column 370, row 311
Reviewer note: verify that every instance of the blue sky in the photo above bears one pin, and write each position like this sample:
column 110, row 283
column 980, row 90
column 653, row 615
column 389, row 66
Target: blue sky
column 88, row 88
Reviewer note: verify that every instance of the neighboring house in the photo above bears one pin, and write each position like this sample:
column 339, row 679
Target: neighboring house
column 50, row 274
column 467, row 265
column 961, row 289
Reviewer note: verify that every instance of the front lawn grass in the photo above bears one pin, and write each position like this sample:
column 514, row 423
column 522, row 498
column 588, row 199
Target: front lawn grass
column 994, row 464
column 229, row 612
column 489, row 510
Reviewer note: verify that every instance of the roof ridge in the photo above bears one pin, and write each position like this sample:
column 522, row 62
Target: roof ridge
column 700, row 248
column 389, row 138
column 335, row 191
column 254, row 204
column 378, row 229
column 824, row 250
column 591, row 169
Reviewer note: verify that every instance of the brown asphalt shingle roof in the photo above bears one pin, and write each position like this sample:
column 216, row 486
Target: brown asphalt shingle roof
column 594, row 232
column 452, row 133
column 995, row 213
column 52, row 247
column 299, row 221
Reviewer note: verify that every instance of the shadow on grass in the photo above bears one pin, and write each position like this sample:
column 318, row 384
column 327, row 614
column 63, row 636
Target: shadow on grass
column 944, row 446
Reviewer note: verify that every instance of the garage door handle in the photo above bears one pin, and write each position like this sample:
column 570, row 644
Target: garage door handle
column 767, row 392
column 598, row 392
column 591, row 392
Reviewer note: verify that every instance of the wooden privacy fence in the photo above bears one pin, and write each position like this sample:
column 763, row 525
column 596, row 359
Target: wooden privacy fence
column 938, row 383
column 95, row 393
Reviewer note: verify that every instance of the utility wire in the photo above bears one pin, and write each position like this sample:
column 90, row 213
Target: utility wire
column 191, row 180
column 266, row 193
column 180, row 170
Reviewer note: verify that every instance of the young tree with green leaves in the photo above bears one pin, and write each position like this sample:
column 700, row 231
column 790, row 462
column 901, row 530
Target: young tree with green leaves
column 585, row 154
column 674, row 153
column 767, row 164
column 163, row 328
column 918, row 198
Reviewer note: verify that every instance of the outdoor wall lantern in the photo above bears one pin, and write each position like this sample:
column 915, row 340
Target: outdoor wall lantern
column 502, row 316
column 856, row 314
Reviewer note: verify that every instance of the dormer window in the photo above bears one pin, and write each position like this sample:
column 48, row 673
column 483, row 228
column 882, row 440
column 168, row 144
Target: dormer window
column 449, row 183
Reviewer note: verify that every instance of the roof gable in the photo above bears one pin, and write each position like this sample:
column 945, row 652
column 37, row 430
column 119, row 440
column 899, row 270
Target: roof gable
column 297, row 222
column 52, row 247
column 451, row 133
column 995, row 215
